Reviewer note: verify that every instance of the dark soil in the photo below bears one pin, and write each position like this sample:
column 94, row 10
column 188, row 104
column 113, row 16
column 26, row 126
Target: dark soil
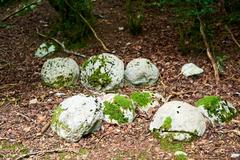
column 20, row 82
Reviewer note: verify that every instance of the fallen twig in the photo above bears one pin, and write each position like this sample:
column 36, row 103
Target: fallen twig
column 173, row 94
column 209, row 54
column 88, row 24
column 61, row 44
column 26, row 117
column 19, row 10
column 44, row 152
column 233, row 38
column 45, row 127
column 8, row 85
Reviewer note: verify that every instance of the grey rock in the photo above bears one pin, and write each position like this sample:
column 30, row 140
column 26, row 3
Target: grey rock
column 141, row 71
column 60, row 72
column 102, row 72
column 178, row 120
column 191, row 69
column 77, row 116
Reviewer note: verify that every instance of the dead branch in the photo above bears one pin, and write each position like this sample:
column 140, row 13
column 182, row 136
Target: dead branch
column 88, row 24
column 209, row 54
column 44, row 152
column 60, row 44
column 233, row 38
column 174, row 94
column 25, row 117
column 19, row 10
column 45, row 127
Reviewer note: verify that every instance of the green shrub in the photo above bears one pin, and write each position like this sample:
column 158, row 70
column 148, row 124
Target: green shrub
column 135, row 13
column 70, row 24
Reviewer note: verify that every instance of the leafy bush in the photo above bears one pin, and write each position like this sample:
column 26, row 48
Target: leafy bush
column 135, row 13
column 71, row 24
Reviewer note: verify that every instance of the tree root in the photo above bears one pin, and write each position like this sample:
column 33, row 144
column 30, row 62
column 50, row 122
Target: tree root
column 44, row 152
column 209, row 54
column 233, row 38
column 19, row 10
column 87, row 23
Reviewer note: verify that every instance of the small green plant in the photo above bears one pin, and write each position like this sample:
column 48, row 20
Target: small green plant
column 135, row 13
column 220, row 59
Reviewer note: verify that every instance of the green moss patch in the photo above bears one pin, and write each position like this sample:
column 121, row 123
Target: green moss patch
column 10, row 150
column 142, row 99
column 179, row 155
column 62, row 81
column 217, row 108
column 97, row 77
column 55, row 118
column 167, row 124
column 168, row 144
column 114, row 109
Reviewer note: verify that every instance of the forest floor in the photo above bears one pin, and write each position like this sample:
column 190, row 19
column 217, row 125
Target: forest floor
column 22, row 123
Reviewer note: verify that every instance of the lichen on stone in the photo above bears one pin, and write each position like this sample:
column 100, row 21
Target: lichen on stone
column 102, row 72
column 60, row 72
column 216, row 109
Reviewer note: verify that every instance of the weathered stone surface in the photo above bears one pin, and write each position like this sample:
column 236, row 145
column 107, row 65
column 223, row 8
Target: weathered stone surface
column 102, row 72
column 216, row 109
column 178, row 120
column 141, row 71
column 118, row 109
column 145, row 100
column 45, row 49
column 77, row 116
column 60, row 72
column 191, row 69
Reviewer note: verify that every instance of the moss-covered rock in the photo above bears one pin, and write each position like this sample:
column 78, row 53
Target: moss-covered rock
column 145, row 100
column 216, row 109
column 60, row 72
column 141, row 71
column 179, row 121
column 102, row 72
column 118, row 109
column 77, row 116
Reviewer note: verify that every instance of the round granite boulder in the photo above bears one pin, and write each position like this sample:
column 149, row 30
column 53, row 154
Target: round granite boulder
column 179, row 121
column 77, row 116
column 60, row 72
column 141, row 71
column 102, row 72
column 118, row 109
